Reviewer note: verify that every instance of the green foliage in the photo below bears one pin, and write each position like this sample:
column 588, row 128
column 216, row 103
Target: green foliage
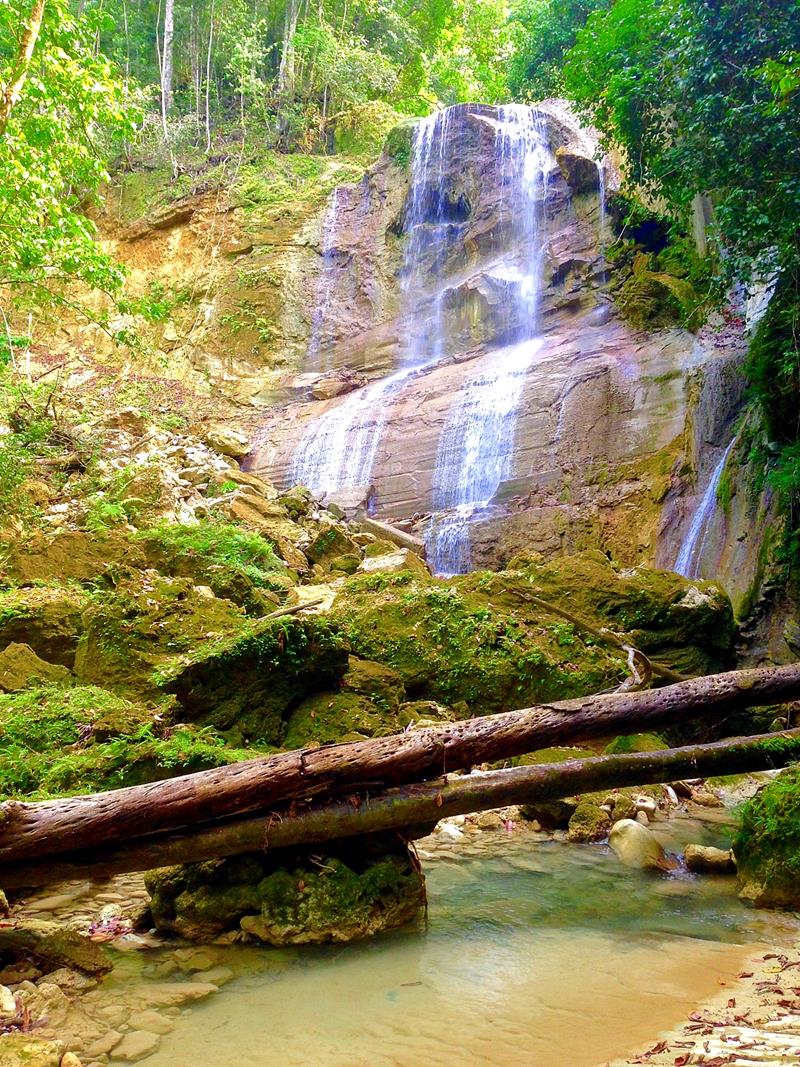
column 71, row 112
column 542, row 32
column 767, row 845
column 57, row 741
column 214, row 543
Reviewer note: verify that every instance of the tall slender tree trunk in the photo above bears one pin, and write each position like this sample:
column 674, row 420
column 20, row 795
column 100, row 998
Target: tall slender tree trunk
column 166, row 57
column 286, row 68
column 12, row 90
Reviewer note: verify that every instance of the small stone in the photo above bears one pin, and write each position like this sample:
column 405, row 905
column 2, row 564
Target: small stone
column 151, row 1021
column 104, row 1044
column 69, row 1059
column 136, row 1045
column 216, row 975
column 637, row 846
column 642, row 818
column 8, row 1005
column 710, row 860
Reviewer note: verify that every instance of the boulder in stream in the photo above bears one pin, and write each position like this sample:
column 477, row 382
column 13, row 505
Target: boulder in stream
column 636, row 846
column 767, row 846
column 343, row 892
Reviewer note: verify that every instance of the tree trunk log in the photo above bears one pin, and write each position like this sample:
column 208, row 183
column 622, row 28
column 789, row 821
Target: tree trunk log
column 73, row 823
column 413, row 806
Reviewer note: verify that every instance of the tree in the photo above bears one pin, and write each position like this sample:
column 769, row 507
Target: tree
column 64, row 109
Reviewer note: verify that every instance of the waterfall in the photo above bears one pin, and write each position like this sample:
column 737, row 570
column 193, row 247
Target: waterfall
column 691, row 551
column 325, row 283
column 338, row 449
column 476, row 446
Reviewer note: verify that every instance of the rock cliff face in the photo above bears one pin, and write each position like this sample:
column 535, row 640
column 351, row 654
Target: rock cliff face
column 611, row 422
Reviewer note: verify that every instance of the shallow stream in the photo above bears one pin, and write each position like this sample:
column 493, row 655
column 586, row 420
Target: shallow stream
column 535, row 953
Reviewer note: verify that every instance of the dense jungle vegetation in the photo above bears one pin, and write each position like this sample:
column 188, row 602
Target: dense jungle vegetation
column 700, row 97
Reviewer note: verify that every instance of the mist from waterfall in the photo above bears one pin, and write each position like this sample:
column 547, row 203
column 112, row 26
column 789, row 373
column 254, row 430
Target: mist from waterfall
column 338, row 449
column 691, row 551
column 476, row 447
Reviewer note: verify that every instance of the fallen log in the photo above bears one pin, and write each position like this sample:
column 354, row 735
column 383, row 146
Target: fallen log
column 411, row 807
column 66, row 825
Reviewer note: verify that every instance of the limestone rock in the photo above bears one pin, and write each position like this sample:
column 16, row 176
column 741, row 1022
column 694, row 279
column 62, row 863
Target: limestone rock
column 401, row 559
column 151, row 1021
column 21, row 668
column 709, row 860
column 135, row 1046
column 359, row 889
column 636, row 846
column 54, row 943
column 26, row 1050
column 228, row 441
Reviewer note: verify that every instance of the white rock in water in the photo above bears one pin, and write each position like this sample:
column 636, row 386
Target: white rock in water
column 8, row 1005
column 446, row 829
column 636, row 846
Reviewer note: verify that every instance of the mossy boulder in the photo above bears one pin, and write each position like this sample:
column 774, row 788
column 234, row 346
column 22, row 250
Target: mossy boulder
column 347, row 892
column 635, row 743
column 48, row 618
column 56, row 741
column 474, row 639
column 687, row 624
column 347, row 564
column 331, row 541
column 245, row 684
column 588, row 822
column 143, row 626
column 767, row 845
column 328, row 717
column 21, row 668
column 238, row 565
column 68, row 555
column 374, row 680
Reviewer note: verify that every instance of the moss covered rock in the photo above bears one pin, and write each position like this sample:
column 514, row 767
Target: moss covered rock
column 330, row 542
column 350, row 891
column 246, row 683
column 48, row 618
column 69, row 554
column 21, row 668
column 767, row 846
column 144, row 626
column 474, row 639
column 635, row 743
column 588, row 822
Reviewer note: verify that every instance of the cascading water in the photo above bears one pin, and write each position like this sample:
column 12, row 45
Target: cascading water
column 476, row 447
column 325, row 286
column 338, row 449
column 691, row 551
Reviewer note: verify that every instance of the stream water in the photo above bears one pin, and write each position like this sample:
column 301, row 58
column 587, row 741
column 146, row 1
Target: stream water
column 536, row 953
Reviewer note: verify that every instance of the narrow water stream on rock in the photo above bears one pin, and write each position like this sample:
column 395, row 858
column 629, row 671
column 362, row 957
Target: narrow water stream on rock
column 536, row 952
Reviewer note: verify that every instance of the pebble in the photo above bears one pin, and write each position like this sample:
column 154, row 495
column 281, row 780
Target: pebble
column 217, row 976
column 104, row 1044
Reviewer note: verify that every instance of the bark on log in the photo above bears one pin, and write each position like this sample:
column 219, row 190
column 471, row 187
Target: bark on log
column 412, row 806
column 66, row 825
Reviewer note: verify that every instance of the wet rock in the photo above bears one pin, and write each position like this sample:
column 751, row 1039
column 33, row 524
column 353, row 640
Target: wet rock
column 152, row 1022
column 709, row 860
column 69, row 1059
column 136, row 1045
column 103, row 1045
column 25, row 1050
column 21, row 668
column 352, row 891
column 588, row 822
column 636, row 846
column 56, row 944
column 550, row 814
column 580, row 172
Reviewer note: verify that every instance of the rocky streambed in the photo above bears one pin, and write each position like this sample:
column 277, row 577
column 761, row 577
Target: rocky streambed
column 533, row 949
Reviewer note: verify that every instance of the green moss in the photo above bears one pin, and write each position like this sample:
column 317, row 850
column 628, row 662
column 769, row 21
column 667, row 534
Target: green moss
column 767, row 844
column 232, row 561
column 635, row 743
column 457, row 641
column 55, row 742
column 398, row 143
column 245, row 683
